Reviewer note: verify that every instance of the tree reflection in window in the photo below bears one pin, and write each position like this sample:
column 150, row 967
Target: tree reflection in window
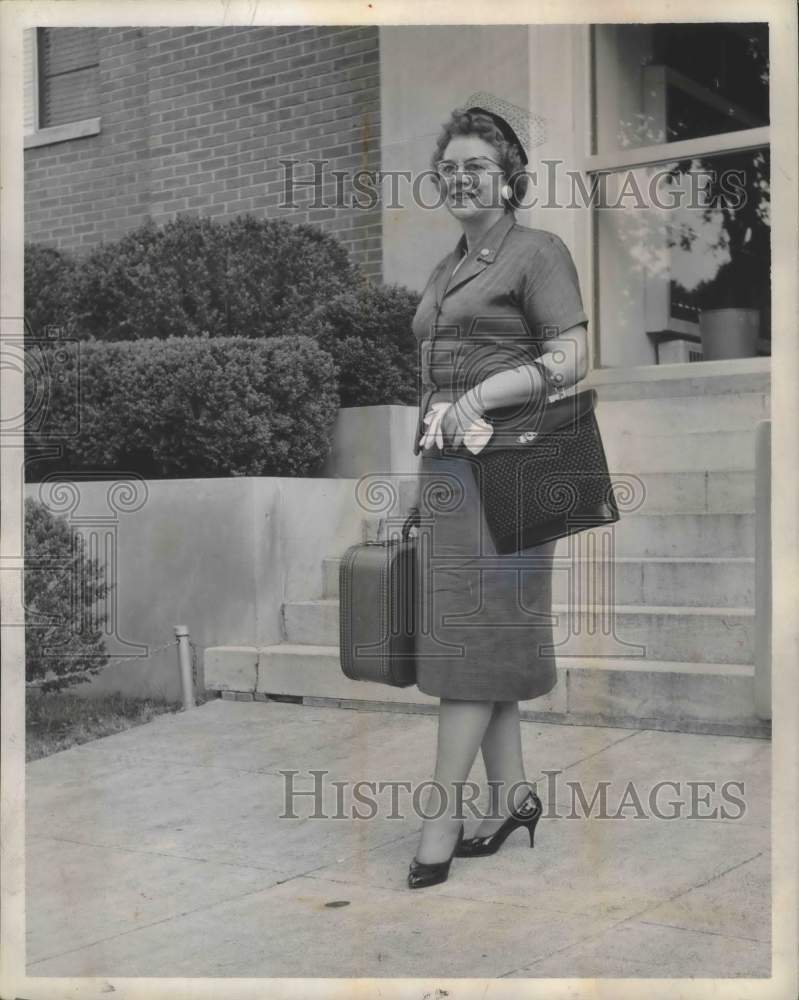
column 730, row 232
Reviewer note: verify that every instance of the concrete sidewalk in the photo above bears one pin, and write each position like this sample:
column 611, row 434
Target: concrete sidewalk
column 159, row 852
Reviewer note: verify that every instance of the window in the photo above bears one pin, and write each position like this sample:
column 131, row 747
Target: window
column 61, row 84
column 68, row 68
column 680, row 171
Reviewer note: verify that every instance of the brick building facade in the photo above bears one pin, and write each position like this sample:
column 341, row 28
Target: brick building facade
column 197, row 120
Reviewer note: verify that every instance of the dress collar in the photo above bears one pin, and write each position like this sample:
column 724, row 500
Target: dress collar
column 490, row 241
column 475, row 261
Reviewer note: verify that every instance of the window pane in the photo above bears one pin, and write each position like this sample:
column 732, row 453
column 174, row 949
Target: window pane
column 66, row 49
column 70, row 98
column 661, row 83
column 68, row 75
column 676, row 244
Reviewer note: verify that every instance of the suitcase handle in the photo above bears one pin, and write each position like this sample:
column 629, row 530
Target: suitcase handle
column 413, row 519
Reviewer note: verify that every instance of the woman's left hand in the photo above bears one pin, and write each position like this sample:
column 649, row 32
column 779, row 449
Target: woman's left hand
column 448, row 423
column 458, row 419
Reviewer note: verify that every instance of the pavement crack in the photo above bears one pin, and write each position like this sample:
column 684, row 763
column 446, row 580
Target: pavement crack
column 631, row 917
column 153, row 923
column 156, row 854
column 596, row 753
column 703, row 930
column 699, row 885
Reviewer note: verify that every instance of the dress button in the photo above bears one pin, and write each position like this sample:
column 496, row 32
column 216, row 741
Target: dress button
column 484, row 252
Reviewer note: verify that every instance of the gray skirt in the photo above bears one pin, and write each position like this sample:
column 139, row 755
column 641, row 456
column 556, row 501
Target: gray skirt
column 486, row 629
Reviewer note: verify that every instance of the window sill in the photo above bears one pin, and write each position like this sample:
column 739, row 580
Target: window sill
column 61, row 133
column 685, row 379
column 693, row 369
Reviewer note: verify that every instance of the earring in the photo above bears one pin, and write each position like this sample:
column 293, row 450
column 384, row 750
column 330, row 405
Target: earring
column 506, row 192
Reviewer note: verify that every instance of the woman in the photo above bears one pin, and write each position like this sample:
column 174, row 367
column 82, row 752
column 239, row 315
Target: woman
column 506, row 296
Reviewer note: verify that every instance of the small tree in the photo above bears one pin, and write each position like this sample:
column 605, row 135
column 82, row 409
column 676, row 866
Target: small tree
column 63, row 588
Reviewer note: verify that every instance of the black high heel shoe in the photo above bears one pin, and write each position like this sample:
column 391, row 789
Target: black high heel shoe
column 527, row 814
column 422, row 875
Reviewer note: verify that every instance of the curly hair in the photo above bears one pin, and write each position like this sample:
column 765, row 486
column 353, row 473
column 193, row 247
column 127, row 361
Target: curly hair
column 463, row 122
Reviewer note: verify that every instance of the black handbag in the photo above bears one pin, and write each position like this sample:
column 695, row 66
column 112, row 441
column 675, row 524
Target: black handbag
column 546, row 477
column 377, row 609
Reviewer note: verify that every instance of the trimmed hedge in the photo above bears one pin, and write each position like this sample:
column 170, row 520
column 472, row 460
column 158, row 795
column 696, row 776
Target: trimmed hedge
column 63, row 588
column 368, row 332
column 191, row 407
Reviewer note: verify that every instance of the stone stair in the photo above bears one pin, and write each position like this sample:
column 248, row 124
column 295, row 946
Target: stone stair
column 677, row 652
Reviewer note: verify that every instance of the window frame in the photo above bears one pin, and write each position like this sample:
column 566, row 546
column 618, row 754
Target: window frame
column 54, row 133
column 641, row 156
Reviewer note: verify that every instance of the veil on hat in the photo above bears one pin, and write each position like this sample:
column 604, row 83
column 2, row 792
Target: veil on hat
column 524, row 128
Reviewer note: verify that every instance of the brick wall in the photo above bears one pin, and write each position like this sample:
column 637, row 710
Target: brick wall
column 195, row 120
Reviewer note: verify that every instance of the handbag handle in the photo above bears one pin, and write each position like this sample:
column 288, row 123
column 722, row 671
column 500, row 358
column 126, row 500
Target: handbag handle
column 554, row 415
column 414, row 518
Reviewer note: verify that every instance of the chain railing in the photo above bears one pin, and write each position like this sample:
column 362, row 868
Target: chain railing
column 187, row 666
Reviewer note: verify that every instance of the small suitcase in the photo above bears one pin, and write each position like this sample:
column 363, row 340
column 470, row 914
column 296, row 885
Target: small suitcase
column 377, row 610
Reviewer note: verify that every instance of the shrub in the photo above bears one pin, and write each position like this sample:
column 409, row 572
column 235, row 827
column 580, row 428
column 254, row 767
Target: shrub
column 368, row 332
column 49, row 277
column 151, row 283
column 63, row 588
column 51, row 382
column 241, row 277
column 200, row 407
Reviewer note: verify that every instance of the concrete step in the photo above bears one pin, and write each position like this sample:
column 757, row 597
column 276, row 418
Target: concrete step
column 708, row 492
column 711, row 491
column 723, row 451
column 722, row 583
column 695, row 535
column 736, row 379
column 681, row 634
column 683, row 414
column 686, row 697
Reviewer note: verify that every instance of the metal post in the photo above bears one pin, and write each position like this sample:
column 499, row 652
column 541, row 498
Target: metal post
column 763, row 569
column 184, row 663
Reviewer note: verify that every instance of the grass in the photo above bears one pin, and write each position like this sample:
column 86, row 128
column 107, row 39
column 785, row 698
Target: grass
column 59, row 720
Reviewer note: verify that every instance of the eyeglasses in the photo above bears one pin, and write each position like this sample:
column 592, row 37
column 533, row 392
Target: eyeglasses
column 474, row 167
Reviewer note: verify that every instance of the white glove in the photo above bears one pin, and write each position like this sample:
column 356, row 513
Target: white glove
column 475, row 436
column 433, row 417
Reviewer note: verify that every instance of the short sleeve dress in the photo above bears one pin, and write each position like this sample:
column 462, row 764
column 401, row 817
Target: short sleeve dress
column 486, row 628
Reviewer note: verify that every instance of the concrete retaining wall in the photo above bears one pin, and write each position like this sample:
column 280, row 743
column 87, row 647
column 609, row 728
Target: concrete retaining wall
column 369, row 440
column 218, row 555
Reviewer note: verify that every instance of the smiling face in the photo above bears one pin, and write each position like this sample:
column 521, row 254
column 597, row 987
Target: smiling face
column 470, row 194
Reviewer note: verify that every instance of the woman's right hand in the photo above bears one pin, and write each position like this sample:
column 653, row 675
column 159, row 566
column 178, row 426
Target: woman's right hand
column 433, row 435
